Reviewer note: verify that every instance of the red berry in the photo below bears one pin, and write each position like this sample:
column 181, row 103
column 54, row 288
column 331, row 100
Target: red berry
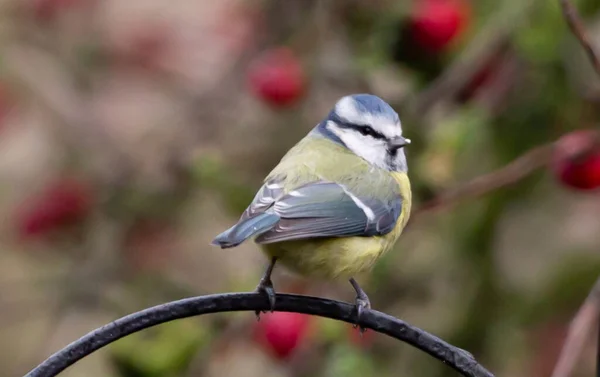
column 277, row 77
column 576, row 160
column 436, row 23
column 282, row 332
column 60, row 204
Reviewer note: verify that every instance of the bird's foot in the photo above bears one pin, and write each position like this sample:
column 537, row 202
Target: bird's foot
column 265, row 286
column 362, row 304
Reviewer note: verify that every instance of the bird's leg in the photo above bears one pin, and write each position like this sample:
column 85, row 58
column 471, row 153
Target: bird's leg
column 265, row 285
column 362, row 303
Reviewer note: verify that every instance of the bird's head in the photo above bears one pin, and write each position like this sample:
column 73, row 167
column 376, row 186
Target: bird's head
column 370, row 128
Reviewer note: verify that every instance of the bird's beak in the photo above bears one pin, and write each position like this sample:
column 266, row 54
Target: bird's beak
column 398, row 142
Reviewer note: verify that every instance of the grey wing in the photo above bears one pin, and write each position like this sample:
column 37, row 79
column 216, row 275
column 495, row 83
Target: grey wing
column 264, row 198
column 328, row 209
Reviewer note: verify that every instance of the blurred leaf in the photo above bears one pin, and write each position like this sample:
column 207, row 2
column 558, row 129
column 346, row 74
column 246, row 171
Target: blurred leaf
column 382, row 271
column 588, row 7
column 533, row 113
column 164, row 350
column 349, row 361
column 91, row 55
column 451, row 146
column 143, row 202
column 373, row 31
column 329, row 330
column 212, row 173
column 539, row 41
column 565, row 291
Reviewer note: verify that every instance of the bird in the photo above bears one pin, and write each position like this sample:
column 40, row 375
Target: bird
column 336, row 202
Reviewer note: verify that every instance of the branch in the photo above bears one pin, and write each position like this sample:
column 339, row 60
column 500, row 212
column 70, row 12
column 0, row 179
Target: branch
column 576, row 25
column 579, row 332
column 517, row 170
column 512, row 173
column 458, row 359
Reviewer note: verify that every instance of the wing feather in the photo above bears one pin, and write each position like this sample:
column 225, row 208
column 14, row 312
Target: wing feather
column 264, row 198
column 328, row 209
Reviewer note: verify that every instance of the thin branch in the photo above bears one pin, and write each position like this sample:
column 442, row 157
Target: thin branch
column 458, row 359
column 579, row 333
column 512, row 173
column 576, row 25
column 515, row 171
column 597, row 343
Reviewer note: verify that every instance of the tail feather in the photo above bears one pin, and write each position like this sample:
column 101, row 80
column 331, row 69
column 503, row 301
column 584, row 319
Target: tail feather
column 245, row 229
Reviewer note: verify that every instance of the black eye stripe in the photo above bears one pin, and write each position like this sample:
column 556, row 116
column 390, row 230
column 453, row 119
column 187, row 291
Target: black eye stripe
column 369, row 131
column 364, row 129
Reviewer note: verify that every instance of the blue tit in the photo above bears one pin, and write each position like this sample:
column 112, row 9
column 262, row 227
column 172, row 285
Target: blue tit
column 337, row 201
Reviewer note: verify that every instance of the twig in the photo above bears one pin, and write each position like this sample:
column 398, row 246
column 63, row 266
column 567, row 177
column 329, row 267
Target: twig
column 576, row 25
column 458, row 359
column 589, row 313
column 512, row 173
column 518, row 169
column 579, row 333
column 598, row 345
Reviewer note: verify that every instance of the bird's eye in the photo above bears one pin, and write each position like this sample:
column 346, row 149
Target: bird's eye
column 368, row 131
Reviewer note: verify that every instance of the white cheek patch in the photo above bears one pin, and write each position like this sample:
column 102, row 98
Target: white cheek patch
column 371, row 150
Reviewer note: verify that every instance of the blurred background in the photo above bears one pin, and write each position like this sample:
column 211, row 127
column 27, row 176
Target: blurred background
column 132, row 132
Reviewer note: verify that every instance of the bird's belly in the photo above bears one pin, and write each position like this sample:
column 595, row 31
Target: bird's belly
column 332, row 257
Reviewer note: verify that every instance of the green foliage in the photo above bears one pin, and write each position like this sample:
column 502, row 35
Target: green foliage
column 452, row 146
column 331, row 331
column 212, row 174
column 530, row 119
column 128, row 203
column 539, row 41
column 162, row 351
column 564, row 292
column 346, row 360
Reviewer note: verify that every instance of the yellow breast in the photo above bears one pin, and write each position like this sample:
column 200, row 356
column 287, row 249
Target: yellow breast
column 405, row 191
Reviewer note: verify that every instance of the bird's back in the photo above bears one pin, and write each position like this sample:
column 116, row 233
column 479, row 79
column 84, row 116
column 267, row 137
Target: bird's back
column 316, row 158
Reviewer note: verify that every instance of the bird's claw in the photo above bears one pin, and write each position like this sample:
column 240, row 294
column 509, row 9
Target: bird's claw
column 266, row 287
column 362, row 304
